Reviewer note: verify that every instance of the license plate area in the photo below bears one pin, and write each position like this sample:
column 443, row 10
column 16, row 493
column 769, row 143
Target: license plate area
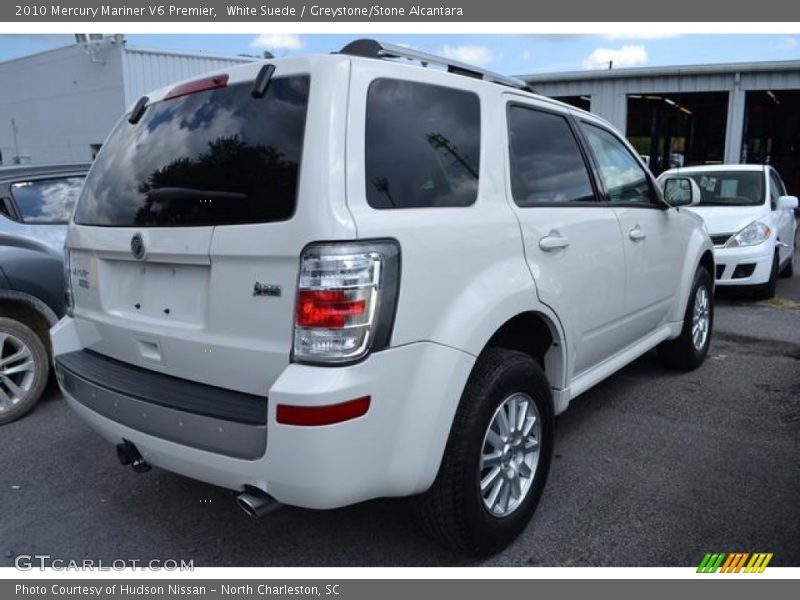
column 163, row 292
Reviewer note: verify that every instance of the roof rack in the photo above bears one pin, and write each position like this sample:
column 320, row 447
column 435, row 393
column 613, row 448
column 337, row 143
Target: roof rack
column 374, row 49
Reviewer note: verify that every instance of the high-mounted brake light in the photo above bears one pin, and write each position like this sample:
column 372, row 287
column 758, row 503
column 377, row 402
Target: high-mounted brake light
column 346, row 300
column 199, row 85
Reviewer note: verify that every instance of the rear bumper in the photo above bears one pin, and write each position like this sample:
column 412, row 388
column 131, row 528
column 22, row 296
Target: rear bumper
column 754, row 264
column 189, row 413
column 393, row 450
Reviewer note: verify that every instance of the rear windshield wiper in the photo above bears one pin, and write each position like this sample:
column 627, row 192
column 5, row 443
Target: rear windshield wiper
column 181, row 194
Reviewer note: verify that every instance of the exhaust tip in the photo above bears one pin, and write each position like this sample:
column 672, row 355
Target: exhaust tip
column 256, row 503
column 128, row 455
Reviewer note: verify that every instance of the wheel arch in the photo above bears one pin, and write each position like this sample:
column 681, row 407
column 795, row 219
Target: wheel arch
column 700, row 253
column 539, row 336
column 30, row 311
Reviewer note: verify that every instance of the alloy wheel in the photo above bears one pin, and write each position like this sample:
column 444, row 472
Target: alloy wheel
column 17, row 371
column 510, row 455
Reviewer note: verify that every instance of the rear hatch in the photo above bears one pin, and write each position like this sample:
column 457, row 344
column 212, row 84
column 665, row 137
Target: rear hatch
column 185, row 243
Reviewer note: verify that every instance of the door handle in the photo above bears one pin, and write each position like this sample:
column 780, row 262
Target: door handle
column 636, row 234
column 553, row 241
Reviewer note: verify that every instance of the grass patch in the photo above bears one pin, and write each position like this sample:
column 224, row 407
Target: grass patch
column 781, row 303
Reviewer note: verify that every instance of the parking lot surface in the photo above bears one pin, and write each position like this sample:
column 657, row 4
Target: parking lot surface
column 652, row 468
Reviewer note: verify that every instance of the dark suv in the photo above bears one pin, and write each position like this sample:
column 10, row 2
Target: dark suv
column 35, row 204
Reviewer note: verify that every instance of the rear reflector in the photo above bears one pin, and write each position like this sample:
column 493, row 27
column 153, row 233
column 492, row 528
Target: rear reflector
column 201, row 85
column 322, row 415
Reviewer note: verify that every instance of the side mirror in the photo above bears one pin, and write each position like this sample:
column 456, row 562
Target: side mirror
column 681, row 191
column 787, row 203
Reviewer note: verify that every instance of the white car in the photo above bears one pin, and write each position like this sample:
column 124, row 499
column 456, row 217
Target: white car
column 325, row 279
column 751, row 221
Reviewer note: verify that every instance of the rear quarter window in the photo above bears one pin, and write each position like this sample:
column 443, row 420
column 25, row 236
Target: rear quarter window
column 422, row 145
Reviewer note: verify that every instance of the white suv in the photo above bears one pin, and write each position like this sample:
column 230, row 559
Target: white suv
column 327, row 279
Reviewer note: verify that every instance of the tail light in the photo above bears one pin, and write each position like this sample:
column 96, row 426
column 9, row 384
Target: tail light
column 346, row 298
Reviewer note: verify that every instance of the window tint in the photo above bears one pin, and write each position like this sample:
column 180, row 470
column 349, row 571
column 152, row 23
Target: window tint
column 624, row 179
column 546, row 163
column 46, row 201
column 422, row 145
column 216, row 157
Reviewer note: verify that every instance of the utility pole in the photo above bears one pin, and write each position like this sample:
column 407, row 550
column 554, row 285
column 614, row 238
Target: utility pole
column 14, row 131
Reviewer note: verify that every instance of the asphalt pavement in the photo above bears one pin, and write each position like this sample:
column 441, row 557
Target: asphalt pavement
column 652, row 468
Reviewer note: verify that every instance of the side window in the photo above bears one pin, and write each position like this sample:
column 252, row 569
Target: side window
column 422, row 145
column 46, row 201
column 626, row 182
column 545, row 162
column 776, row 189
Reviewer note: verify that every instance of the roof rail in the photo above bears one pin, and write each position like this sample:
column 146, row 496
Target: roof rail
column 374, row 49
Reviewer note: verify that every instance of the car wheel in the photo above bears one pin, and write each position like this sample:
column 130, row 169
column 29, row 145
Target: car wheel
column 788, row 270
column 688, row 351
column 24, row 369
column 767, row 290
column 497, row 457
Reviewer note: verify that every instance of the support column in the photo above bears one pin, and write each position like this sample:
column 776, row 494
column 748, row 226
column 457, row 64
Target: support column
column 734, row 131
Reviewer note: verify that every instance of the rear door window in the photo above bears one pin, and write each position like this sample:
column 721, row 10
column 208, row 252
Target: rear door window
column 422, row 145
column 46, row 201
column 216, row 157
column 546, row 163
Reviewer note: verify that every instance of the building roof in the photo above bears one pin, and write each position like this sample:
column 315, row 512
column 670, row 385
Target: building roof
column 669, row 71
column 38, row 170
column 120, row 40
column 208, row 55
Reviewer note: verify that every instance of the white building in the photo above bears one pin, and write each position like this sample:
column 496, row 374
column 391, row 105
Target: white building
column 59, row 105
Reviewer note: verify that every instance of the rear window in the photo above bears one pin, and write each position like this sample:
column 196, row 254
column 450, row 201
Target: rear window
column 217, row 157
column 422, row 145
column 46, row 201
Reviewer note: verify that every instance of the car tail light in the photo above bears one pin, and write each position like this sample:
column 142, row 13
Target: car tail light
column 346, row 300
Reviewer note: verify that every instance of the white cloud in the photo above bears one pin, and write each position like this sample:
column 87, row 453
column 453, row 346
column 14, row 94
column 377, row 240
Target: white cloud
column 277, row 41
column 475, row 55
column 627, row 56
column 526, row 55
column 642, row 35
column 788, row 43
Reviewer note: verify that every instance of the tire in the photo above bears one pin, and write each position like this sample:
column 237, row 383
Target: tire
column 767, row 290
column 683, row 353
column 453, row 511
column 788, row 270
column 22, row 379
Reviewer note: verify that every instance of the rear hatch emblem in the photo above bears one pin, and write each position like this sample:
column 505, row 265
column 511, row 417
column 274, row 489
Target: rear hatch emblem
column 137, row 246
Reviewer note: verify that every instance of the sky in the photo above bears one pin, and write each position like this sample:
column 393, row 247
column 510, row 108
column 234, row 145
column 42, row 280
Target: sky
column 508, row 54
